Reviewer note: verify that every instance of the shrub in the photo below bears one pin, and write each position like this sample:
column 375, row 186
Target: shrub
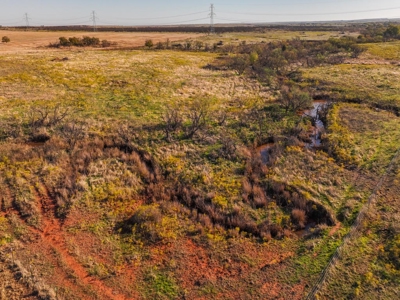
column 86, row 41
column 160, row 45
column 393, row 251
column 105, row 43
column 293, row 99
column 75, row 41
column 5, row 39
column 90, row 41
column 240, row 63
column 64, row 41
column 151, row 225
column 391, row 32
column 149, row 43
column 198, row 45
column 299, row 217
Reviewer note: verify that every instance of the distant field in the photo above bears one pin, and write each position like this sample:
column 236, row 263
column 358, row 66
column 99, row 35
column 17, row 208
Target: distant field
column 375, row 81
column 389, row 51
column 29, row 40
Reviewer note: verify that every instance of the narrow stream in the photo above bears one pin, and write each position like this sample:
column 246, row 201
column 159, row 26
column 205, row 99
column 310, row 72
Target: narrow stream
column 315, row 135
column 317, row 130
column 319, row 127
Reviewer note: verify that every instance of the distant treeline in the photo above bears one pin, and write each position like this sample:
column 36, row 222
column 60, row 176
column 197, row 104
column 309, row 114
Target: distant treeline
column 203, row 28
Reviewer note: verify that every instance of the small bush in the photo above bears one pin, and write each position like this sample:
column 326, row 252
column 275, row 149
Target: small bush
column 5, row 39
column 85, row 41
column 105, row 43
column 149, row 44
column 90, row 41
column 64, row 41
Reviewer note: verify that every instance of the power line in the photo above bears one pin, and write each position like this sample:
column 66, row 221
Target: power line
column 167, row 17
column 26, row 18
column 212, row 17
column 297, row 3
column 64, row 24
column 212, row 14
column 70, row 19
column 94, row 18
column 12, row 24
column 180, row 22
column 313, row 14
column 107, row 22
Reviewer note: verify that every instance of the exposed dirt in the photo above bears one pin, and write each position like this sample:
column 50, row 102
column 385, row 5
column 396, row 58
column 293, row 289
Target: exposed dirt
column 335, row 228
column 50, row 242
column 53, row 235
column 232, row 270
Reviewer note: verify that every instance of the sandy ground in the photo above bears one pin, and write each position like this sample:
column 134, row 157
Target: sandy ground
column 38, row 40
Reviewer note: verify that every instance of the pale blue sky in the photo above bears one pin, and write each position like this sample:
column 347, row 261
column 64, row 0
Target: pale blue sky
column 157, row 12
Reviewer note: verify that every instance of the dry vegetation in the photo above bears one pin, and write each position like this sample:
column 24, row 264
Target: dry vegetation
column 137, row 174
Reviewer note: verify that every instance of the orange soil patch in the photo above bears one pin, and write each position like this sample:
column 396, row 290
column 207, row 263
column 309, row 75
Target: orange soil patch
column 279, row 258
column 200, row 266
column 91, row 245
column 335, row 229
column 35, row 40
column 52, row 234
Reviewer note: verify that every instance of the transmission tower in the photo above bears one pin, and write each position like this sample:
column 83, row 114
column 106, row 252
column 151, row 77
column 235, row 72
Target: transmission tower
column 212, row 14
column 94, row 18
column 26, row 18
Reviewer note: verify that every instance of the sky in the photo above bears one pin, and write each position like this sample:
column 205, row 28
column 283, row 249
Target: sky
column 158, row 12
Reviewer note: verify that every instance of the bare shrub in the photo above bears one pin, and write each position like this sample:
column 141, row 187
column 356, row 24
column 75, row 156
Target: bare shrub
column 299, row 217
column 197, row 115
column 73, row 132
column 293, row 99
column 40, row 135
column 260, row 199
column 47, row 116
column 228, row 148
column 172, row 121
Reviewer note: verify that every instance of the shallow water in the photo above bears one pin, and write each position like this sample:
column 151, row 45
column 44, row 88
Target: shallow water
column 263, row 150
column 319, row 127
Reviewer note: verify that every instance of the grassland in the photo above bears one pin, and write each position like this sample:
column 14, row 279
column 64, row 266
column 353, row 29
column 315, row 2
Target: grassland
column 367, row 268
column 388, row 51
column 105, row 197
column 374, row 83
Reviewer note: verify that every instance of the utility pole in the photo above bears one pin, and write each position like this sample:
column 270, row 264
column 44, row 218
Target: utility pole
column 212, row 14
column 26, row 18
column 94, row 18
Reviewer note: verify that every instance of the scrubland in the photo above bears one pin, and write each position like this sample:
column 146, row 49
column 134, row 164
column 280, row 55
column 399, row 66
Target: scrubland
column 137, row 174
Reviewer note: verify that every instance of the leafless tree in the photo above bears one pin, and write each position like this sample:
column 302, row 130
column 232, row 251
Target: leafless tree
column 47, row 116
column 197, row 116
column 172, row 121
column 73, row 132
